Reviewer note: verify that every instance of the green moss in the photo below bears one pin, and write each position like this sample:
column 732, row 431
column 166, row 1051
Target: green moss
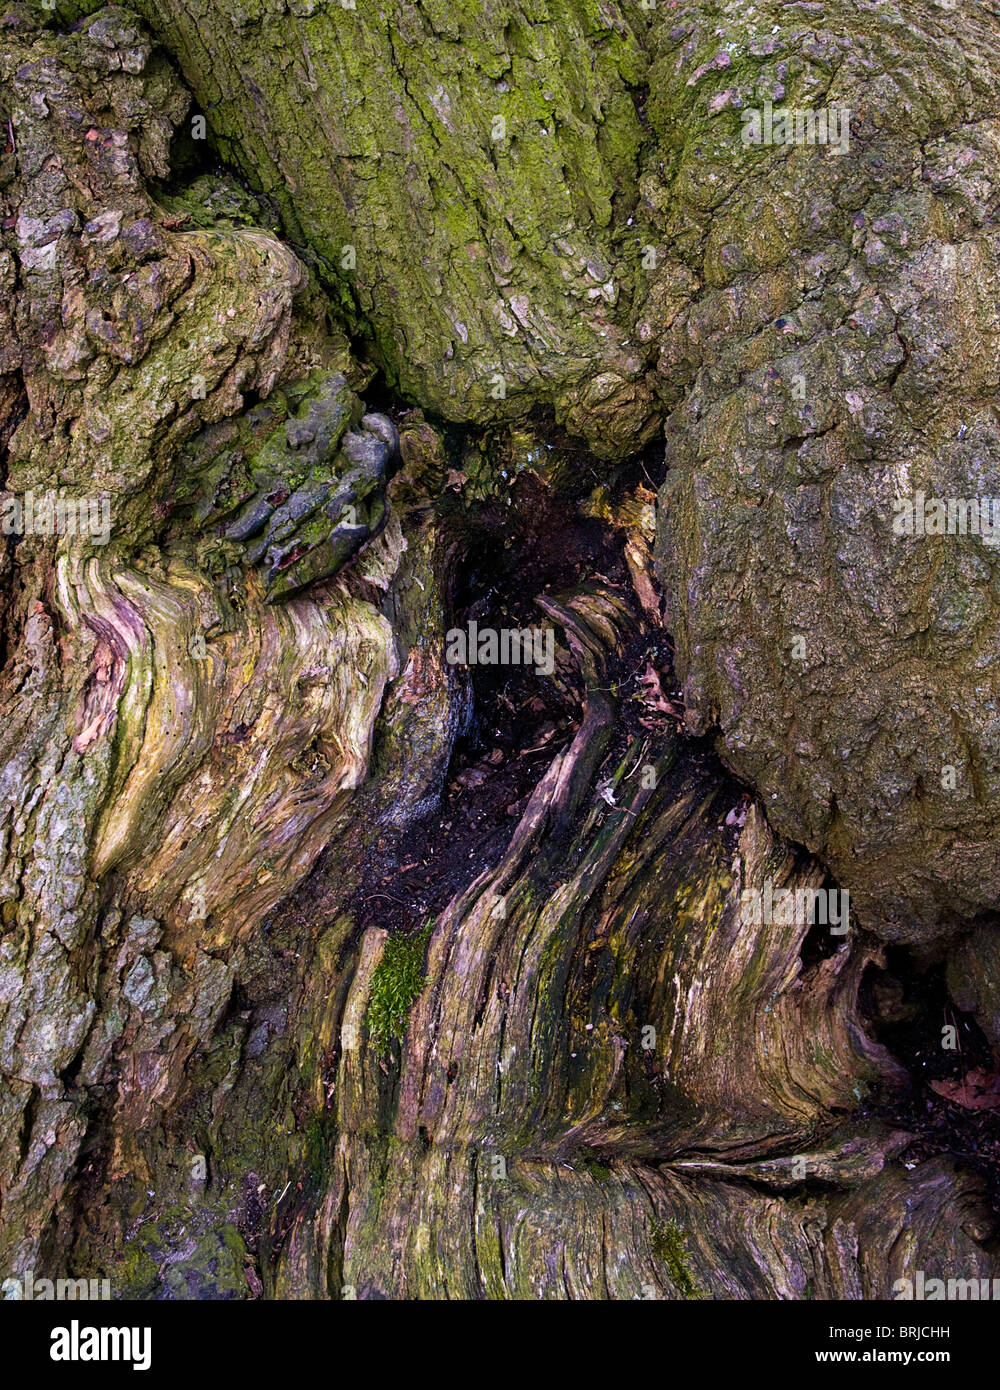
column 135, row 1276
column 668, row 1245
column 397, row 980
column 215, row 200
column 316, row 1149
column 598, row 1171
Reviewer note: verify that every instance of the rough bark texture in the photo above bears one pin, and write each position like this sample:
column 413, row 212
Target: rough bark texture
column 620, row 255
column 868, row 281
column 226, row 1069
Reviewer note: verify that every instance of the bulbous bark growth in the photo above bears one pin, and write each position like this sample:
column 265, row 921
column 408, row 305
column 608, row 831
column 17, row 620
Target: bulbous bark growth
column 839, row 364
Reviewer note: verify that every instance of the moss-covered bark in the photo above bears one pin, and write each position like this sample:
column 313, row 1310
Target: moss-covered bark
column 587, row 1075
column 809, row 324
column 840, row 359
column 465, row 174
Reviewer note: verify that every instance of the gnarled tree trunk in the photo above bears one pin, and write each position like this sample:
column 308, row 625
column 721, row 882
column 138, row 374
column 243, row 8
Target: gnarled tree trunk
column 331, row 967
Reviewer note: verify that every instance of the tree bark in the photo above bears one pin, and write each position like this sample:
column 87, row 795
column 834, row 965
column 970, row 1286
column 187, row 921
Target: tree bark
column 293, row 1002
